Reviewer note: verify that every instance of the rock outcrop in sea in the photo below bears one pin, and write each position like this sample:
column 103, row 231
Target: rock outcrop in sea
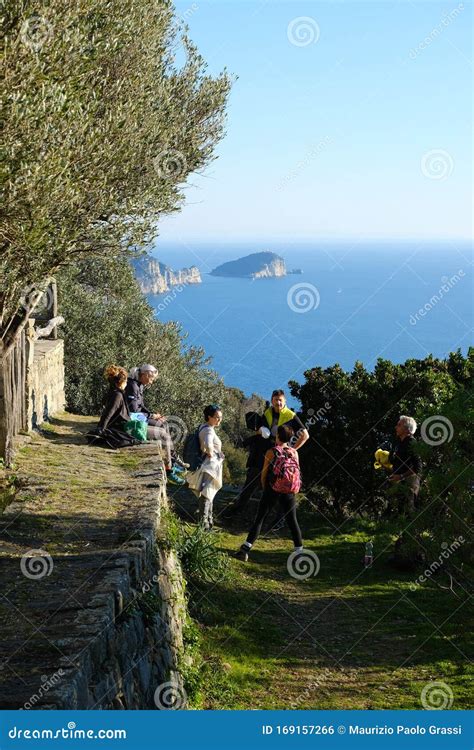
column 254, row 266
column 155, row 277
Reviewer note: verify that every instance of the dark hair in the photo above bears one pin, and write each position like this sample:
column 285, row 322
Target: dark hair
column 278, row 392
column 211, row 411
column 285, row 433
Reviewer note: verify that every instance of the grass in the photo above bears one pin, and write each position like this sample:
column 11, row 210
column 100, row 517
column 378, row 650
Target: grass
column 71, row 490
column 349, row 638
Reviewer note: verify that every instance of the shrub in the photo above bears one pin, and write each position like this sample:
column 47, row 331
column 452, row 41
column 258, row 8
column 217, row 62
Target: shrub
column 200, row 558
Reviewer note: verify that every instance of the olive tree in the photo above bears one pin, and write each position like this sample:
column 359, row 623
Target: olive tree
column 108, row 107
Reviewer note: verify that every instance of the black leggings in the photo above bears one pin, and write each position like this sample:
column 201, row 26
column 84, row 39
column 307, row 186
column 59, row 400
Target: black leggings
column 288, row 506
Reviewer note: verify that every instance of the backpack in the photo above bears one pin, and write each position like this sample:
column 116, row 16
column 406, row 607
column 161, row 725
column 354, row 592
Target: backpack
column 286, row 475
column 192, row 453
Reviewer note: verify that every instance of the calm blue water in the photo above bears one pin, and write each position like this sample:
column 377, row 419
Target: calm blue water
column 369, row 296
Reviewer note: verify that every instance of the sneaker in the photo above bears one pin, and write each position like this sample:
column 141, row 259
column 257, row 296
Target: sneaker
column 178, row 461
column 179, row 469
column 242, row 554
column 174, row 478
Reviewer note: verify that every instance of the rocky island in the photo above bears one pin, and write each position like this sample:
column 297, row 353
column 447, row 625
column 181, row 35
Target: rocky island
column 156, row 278
column 254, row 266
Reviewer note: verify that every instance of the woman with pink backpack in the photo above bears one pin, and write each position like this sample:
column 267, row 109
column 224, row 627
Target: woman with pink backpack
column 281, row 480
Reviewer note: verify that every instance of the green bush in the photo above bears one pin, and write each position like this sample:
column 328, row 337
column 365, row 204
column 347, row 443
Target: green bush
column 447, row 511
column 200, row 558
column 350, row 414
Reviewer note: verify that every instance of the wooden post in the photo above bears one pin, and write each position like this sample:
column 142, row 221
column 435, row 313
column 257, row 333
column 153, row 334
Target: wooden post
column 6, row 450
column 54, row 305
column 29, row 357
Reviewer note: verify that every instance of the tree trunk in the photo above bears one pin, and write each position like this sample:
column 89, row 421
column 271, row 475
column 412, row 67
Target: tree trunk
column 13, row 414
column 6, row 451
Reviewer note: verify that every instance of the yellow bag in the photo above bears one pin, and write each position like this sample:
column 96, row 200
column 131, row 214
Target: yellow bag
column 382, row 460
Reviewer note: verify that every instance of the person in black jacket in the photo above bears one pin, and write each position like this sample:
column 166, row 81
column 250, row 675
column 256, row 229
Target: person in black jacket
column 406, row 465
column 116, row 412
column 265, row 427
column 157, row 426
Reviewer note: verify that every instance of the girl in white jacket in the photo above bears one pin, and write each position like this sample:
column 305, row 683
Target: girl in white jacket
column 206, row 481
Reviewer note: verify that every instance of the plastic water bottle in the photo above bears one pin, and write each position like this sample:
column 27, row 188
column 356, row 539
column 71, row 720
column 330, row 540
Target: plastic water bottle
column 369, row 554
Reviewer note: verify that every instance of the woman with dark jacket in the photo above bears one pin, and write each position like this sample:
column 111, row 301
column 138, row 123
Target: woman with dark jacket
column 115, row 413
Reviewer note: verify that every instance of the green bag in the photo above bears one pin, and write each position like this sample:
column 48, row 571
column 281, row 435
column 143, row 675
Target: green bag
column 137, row 429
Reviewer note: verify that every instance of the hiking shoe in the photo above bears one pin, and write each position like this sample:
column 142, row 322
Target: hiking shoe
column 242, row 554
column 179, row 469
column 172, row 477
column 178, row 461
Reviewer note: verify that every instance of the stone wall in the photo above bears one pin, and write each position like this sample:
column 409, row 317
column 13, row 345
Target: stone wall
column 129, row 656
column 94, row 610
column 45, row 380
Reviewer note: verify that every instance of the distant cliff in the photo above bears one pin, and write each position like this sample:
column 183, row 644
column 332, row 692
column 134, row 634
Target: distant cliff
column 254, row 266
column 155, row 277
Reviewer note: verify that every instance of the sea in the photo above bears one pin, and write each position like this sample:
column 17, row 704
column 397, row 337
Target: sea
column 352, row 301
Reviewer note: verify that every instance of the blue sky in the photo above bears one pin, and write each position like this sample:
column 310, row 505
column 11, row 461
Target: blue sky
column 348, row 119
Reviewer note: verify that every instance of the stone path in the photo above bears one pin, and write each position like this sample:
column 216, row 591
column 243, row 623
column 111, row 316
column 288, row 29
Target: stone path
column 75, row 545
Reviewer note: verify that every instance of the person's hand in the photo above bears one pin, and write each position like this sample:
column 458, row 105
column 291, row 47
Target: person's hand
column 395, row 477
column 157, row 415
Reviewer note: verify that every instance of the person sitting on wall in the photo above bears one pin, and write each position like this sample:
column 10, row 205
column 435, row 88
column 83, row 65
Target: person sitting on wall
column 157, row 427
column 110, row 431
column 115, row 413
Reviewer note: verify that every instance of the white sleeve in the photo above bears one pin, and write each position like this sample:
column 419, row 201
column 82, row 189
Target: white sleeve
column 206, row 439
